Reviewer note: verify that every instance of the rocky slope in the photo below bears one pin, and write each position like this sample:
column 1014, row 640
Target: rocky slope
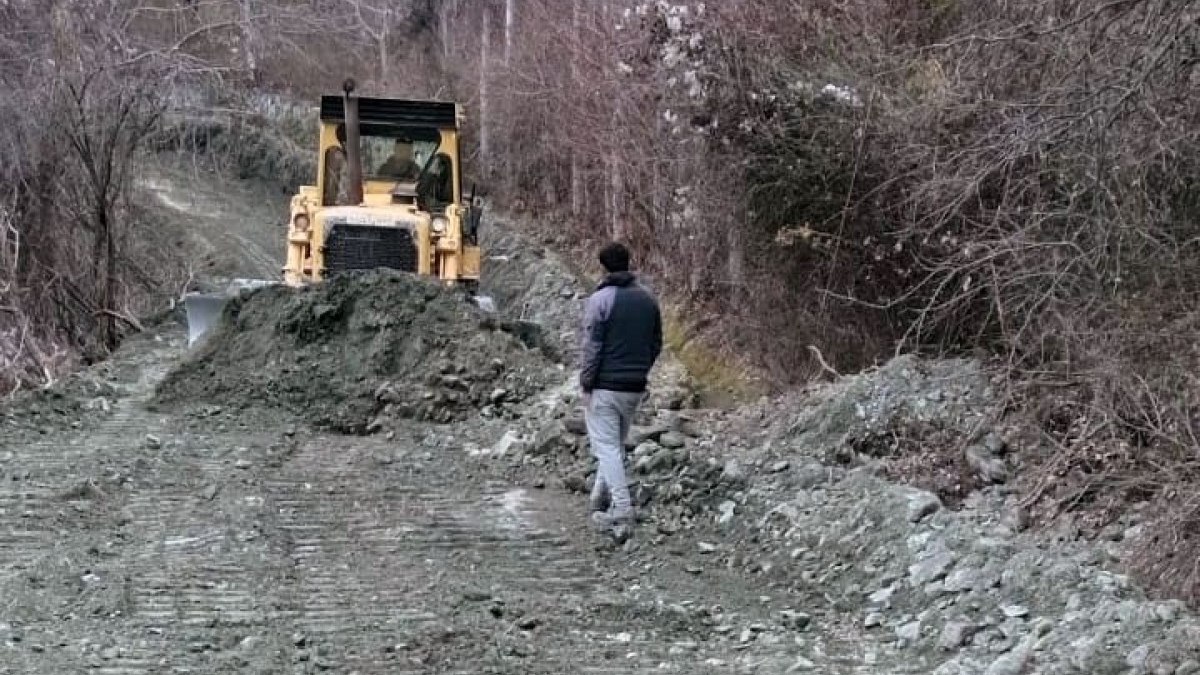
column 829, row 499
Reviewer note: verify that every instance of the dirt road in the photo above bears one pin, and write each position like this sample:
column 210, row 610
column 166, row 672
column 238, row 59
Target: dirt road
column 140, row 543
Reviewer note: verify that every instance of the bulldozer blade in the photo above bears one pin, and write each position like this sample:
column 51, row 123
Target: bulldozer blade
column 204, row 309
column 485, row 303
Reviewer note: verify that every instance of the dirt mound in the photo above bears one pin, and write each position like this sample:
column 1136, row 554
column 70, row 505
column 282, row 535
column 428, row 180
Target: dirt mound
column 353, row 352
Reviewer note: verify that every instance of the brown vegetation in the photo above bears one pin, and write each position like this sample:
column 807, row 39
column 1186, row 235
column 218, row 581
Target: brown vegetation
column 1017, row 179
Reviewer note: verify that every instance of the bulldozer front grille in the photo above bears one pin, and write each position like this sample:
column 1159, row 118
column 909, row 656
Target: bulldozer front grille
column 361, row 247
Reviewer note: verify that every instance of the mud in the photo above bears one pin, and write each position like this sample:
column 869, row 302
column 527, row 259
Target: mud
column 357, row 351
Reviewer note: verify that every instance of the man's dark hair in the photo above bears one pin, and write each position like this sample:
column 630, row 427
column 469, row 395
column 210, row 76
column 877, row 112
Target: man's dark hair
column 340, row 133
column 615, row 257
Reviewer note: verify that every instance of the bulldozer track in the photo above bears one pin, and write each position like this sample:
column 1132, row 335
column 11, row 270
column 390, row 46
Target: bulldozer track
column 229, row 552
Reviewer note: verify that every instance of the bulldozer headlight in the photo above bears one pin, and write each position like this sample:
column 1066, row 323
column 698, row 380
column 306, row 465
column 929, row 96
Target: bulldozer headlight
column 439, row 225
column 300, row 221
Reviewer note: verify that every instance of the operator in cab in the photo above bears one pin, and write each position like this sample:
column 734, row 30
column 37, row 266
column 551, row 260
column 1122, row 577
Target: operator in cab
column 400, row 166
column 337, row 171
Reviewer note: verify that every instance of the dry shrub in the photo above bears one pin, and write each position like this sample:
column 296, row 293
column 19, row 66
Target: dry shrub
column 924, row 455
column 78, row 266
column 1170, row 560
column 1055, row 217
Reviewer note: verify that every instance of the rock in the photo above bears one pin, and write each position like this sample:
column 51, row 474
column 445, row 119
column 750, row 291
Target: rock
column 733, row 474
column 673, row 440
column 811, row 475
column 110, row 653
column 930, row 569
column 909, row 633
column 509, row 442
column 726, row 509
column 477, row 596
column 961, row 580
column 210, row 492
column 642, row 494
column 529, row 623
column 497, row 396
column 662, row 460
column 576, row 425
column 1015, row 611
column 994, row 443
column 1188, row 668
column 882, row 598
column 1137, row 658
column 795, row 620
column 922, row 504
column 653, row 434
column 1167, row 612
column 780, row 467
column 706, row 547
column 1012, row 663
column 988, row 467
column 1015, row 518
column 956, row 634
column 575, row 483
column 801, row 665
column 299, row 639
column 549, row 439
column 872, row 620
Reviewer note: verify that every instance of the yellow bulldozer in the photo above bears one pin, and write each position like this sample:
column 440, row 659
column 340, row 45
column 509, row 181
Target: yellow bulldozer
column 388, row 193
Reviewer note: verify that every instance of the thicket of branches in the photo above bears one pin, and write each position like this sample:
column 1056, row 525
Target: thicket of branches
column 89, row 88
column 1018, row 179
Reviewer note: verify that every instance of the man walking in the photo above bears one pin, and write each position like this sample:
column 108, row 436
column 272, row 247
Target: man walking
column 622, row 338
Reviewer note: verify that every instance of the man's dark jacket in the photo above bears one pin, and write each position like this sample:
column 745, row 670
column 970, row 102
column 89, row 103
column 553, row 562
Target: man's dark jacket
column 622, row 335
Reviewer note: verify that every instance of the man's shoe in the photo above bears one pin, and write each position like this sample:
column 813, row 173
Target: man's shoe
column 618, row 526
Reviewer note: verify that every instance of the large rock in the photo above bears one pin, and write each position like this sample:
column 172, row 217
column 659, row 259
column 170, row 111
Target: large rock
column 931, row 568
column 988, row 467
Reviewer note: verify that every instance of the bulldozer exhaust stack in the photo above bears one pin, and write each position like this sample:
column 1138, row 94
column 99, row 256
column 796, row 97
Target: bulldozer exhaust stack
column 353, row 148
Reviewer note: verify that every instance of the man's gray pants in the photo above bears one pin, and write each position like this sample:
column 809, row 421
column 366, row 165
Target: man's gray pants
column 608, row 421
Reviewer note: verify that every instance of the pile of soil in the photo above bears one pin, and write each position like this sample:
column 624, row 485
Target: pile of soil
column 357, row 350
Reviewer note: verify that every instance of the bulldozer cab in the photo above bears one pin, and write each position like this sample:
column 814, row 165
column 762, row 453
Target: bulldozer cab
column 406, row 163
column 389, row 193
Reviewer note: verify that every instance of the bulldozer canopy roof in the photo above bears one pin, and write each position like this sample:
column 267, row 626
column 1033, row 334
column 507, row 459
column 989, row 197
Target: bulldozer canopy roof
column 396, row 112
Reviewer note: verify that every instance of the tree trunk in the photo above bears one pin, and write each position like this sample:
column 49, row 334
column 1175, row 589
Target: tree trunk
column 385, row 67
column 449, row 9
column 576, row 179
column 616, row 226
column 249, row 39
column 509, row 18
column 576, row 186
column 108, row 321
column 485, row 150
